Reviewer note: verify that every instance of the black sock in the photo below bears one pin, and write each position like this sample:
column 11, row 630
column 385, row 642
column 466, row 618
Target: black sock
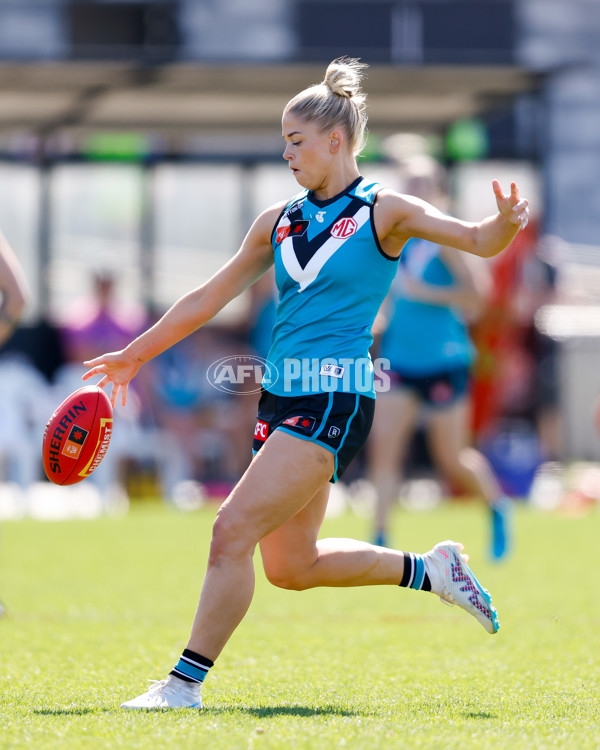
column 191, row 667
column 415, row 576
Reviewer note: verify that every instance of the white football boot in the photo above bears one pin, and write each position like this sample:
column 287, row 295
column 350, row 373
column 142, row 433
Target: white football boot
column 169, row 693
column 453, row 581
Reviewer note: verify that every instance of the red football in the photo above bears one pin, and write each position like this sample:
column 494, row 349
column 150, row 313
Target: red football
column 77, row 435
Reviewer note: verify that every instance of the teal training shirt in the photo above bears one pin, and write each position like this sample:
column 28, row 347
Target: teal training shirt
column 421, row 338
column 332, row 276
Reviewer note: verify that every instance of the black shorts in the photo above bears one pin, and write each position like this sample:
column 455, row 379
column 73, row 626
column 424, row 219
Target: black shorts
column 438, row 390
column 340, row 422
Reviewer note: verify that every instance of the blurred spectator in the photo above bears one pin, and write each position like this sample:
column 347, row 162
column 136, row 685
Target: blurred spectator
column 538, row 288
column 186, row 409
column 13, row 298
column 261, row 317
column 517, row 417
column 503, row 373
column 100, row 322
column 426, row 340
column 242, row 409
column 206, row 431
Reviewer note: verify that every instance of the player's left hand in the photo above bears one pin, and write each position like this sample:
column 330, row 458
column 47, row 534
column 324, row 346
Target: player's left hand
column 514, row 208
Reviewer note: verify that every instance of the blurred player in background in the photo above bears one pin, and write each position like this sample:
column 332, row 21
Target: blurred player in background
column 14, row 293
column 436, row 292
column 335, row 247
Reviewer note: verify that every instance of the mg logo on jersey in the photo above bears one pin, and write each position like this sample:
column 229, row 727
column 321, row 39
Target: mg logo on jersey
column 344, row 228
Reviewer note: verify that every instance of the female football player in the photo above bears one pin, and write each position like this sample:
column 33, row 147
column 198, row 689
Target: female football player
column 335, row 248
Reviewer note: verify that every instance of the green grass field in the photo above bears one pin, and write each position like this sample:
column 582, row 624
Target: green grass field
column 98, row 607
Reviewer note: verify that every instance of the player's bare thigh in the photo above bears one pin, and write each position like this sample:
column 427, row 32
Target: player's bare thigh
column 292, row 548
column 281, row 480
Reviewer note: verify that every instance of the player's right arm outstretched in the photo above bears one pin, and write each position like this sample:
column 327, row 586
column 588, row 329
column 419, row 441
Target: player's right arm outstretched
column 191, row 311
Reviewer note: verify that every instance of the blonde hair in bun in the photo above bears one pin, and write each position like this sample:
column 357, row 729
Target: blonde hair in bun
column 337, row 101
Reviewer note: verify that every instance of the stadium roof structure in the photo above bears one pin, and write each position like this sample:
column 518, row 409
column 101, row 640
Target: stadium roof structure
column 229, row 103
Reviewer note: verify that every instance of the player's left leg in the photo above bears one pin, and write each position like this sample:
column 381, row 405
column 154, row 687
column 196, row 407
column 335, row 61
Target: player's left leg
column 294, row 558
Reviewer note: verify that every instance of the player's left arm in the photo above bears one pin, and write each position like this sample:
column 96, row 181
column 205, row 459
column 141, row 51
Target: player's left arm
column 400, row 217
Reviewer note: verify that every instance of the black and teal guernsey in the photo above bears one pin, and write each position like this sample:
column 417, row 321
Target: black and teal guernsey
column 332, row 276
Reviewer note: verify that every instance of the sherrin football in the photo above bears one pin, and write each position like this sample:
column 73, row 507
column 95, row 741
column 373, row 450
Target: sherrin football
column 77, row 435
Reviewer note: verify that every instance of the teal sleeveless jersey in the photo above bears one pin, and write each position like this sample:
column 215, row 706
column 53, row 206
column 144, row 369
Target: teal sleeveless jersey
column 422, row 339
column 332, row 277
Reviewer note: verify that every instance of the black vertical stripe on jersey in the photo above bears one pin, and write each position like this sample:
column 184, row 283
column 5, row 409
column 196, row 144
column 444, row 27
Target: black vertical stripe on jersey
column 304, row 248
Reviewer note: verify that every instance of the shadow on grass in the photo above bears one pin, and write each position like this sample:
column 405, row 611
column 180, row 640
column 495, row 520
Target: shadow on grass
column 67, row 711
column 479, row 715
column 274, row 711
column 261, row 713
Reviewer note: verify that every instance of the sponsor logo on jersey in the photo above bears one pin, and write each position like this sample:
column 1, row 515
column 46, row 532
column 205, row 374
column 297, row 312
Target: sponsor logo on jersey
column 293, row 208
column 74, row 443
column 320, row 216
column 344, row 228
column 333, row 371
column 295, row 229
column 261, row 431
column 282, row 233
column 304, row 423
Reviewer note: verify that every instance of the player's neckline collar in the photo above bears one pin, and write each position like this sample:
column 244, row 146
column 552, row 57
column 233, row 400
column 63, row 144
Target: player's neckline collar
column 328, row 201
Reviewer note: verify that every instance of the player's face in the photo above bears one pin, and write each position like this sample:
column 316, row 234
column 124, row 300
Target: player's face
column 306, row 151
